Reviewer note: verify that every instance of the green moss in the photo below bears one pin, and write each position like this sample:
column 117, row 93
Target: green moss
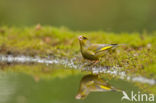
column 137, row 56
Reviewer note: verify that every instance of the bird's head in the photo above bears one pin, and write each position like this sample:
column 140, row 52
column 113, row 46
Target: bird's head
column 82, row 37
column 83, row 40
column 79, row 96
column 82, row 94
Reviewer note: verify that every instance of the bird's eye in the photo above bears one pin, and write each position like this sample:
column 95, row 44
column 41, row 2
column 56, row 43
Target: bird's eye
column 84, row 38
column 83, row 96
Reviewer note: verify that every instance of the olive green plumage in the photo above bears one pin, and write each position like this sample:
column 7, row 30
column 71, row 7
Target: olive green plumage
column 93, row 83
column 93, row 51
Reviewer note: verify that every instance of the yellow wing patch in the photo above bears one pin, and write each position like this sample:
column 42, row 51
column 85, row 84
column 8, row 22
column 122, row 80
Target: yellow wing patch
column 104, row 87
column 107, row 47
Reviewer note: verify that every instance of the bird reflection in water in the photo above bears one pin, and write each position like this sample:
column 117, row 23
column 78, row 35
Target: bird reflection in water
column 93, row 83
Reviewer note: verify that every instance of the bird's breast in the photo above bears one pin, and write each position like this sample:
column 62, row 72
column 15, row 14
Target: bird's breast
column 88, row 56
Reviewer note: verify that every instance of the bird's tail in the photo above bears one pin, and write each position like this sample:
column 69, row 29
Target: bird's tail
column 116, row 45
column 116, row 89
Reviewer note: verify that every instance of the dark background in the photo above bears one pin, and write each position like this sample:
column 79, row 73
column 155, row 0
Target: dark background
column 83, row 15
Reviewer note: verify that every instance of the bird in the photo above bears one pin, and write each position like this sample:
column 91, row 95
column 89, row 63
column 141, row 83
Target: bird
column 93, row 83
column 92, row 51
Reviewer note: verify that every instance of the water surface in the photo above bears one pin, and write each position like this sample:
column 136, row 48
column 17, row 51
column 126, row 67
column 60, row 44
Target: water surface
column 36, row 80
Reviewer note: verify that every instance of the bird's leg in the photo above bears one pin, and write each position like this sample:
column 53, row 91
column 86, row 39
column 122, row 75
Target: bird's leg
column 95, row 62
column 92, row 63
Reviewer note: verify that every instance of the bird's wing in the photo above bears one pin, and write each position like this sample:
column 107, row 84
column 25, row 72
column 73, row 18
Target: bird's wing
column 103, row 84
column 90, row 52
column 96, row 48
column 90, row 83
column 105, row 87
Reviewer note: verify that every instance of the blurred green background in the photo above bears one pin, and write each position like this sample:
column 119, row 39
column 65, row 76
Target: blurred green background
column 84, row 15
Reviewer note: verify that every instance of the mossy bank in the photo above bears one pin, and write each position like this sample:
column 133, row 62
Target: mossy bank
column 137, row 56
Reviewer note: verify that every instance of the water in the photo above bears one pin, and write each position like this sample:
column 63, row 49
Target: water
column 40, row 80
column 22, row 88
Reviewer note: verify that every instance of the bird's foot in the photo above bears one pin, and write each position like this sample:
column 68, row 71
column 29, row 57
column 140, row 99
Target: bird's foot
column 95, row 62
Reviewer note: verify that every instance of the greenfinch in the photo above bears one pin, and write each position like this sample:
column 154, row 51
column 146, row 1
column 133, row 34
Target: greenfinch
column 93, row 83
column 93, row 51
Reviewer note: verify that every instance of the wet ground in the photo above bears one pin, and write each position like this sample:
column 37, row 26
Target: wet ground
column 26, row 79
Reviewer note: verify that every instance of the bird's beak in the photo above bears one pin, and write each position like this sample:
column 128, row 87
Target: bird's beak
column 80, row 38
column 78, row 96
